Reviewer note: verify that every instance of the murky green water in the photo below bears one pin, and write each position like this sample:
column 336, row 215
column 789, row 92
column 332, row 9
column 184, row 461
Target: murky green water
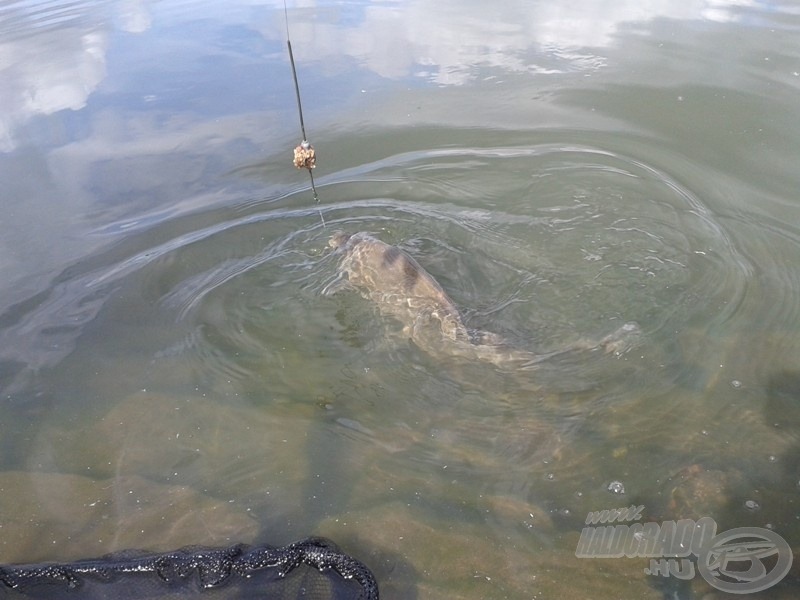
column 171, row 373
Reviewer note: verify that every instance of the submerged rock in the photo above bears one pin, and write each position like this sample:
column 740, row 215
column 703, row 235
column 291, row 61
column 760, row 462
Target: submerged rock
column 55, row 517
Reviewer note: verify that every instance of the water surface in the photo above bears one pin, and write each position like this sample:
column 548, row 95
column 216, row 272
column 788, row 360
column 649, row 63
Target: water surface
column 171, row 373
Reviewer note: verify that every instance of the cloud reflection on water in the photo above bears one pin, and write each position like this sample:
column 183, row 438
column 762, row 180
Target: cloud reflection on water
column 55, row 56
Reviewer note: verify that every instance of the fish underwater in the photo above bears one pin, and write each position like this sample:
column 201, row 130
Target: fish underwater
column 401, row 288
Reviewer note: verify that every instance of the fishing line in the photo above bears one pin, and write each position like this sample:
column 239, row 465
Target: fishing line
column 305, row 157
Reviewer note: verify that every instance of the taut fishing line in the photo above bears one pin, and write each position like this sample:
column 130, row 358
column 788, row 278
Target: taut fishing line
column 305, row 156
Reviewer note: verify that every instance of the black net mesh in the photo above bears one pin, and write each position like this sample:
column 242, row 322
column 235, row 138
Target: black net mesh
column 313, row 568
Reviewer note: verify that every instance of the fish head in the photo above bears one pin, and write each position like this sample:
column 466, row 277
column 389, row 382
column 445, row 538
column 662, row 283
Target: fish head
column 339, row 239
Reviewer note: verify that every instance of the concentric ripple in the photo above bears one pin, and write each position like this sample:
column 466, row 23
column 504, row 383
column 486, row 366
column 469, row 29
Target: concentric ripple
column 542, row 244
